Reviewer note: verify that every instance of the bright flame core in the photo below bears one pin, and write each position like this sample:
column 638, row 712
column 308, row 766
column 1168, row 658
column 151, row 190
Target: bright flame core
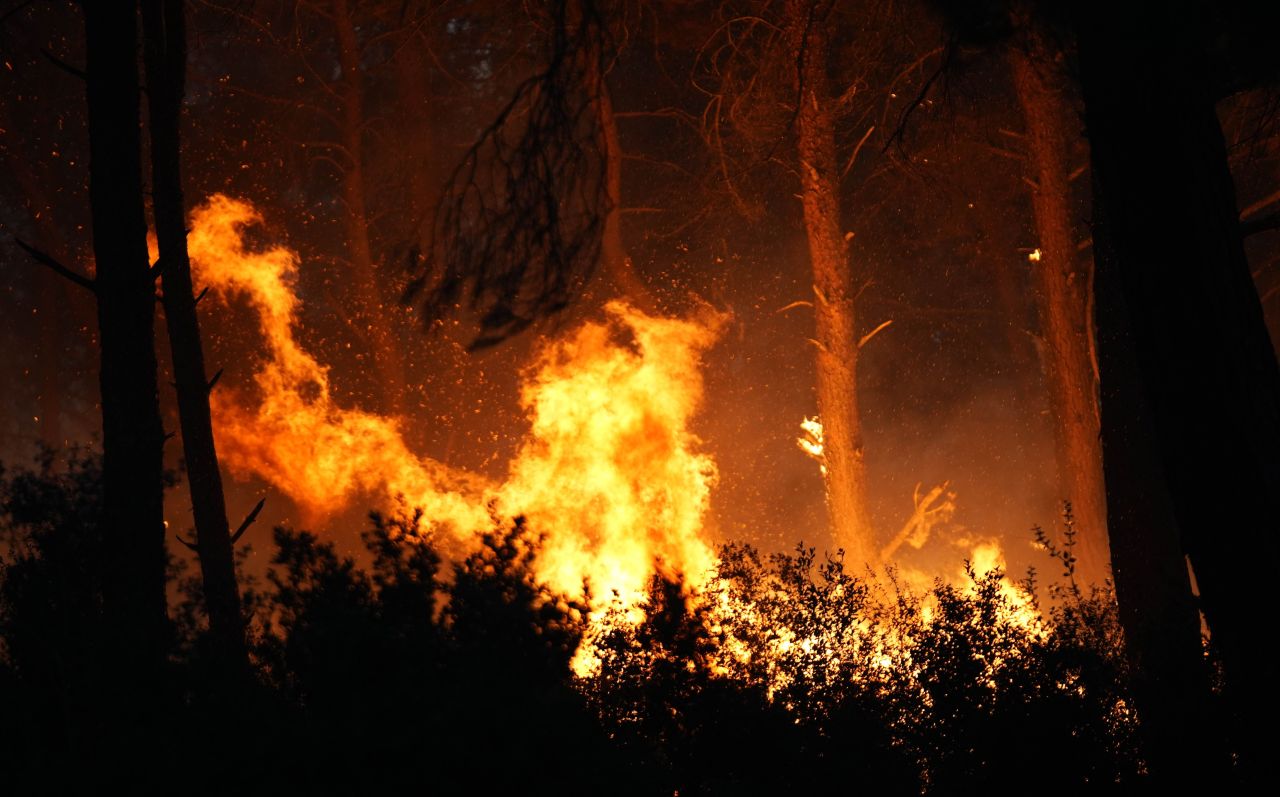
column 609, row 474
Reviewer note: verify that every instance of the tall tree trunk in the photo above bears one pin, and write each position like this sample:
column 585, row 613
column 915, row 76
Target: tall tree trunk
column 1208, row 370
column 132, row 436
column 166, row 53
column 613, row 251
column 1061, row 290
column 1157, row 610
column 373, row 323
column 834, row 301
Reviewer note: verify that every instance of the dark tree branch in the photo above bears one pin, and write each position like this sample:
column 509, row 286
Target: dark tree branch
column 248, row 521
column 519, row 229
column 74, row 71
column 48, row 261
column 900, row 130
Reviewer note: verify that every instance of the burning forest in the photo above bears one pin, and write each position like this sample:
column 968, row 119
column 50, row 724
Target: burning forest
column 638, row 397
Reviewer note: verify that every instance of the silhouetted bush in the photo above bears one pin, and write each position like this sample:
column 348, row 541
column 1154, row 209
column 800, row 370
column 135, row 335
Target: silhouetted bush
column 785, row 675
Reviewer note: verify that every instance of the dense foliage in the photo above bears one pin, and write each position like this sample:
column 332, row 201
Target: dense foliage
column 407, row 672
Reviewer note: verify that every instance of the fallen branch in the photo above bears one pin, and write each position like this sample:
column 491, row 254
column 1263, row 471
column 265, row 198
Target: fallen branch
column 934, row 507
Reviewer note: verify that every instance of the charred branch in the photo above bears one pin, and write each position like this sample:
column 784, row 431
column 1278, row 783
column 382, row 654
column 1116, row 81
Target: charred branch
column 248, row 521
column 74, row 71
column 48, row 261
column 519, row 230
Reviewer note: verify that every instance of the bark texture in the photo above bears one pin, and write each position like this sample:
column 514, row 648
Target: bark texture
column 1061, row 290
column 834, row 294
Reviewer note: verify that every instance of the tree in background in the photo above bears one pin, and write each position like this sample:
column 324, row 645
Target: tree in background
column 818, row 80
column 519, row 228
column 1062, row 288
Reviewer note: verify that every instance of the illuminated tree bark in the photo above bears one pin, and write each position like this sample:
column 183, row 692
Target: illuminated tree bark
column 166, row 54
column 834, row 293
column 1061, row 290
column 132, row 436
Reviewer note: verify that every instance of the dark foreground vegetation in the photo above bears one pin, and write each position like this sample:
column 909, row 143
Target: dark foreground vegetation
column 413, row 674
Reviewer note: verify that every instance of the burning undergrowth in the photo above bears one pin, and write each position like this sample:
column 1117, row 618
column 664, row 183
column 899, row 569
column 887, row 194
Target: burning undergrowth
column 609, row 481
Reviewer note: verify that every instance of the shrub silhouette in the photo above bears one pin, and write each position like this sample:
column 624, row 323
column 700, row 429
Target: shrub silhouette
column 408, row 673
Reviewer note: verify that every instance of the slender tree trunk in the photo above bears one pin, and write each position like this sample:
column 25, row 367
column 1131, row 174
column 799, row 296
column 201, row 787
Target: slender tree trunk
column 1208, row 370
column 166, row 53
column 834, row 304
column 613, row 251
column 374, row 323
column 1061, row 292
column 132, row 436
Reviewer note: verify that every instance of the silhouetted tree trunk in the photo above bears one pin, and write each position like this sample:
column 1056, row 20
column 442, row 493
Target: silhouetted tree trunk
column 132, row 436
column 1207, row 368
column 834, row 293
column 166, row 53
column 1157, row 610
column 1061, row 291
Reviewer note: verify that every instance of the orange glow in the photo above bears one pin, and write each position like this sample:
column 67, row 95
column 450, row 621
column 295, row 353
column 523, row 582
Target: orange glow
column 291, row 433
column 609, row 470
column 608, row 473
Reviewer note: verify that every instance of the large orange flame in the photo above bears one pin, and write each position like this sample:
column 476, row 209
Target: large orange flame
column 292, row 434
column 609, row 474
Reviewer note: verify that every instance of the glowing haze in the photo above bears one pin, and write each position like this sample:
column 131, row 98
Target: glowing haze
column 609, row 472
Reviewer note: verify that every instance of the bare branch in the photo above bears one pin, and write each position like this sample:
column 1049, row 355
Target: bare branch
column 74, row 71
column 248, row 521
column 793, row 306
column 867, row 337
column 49, row 262
column 856, row 150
